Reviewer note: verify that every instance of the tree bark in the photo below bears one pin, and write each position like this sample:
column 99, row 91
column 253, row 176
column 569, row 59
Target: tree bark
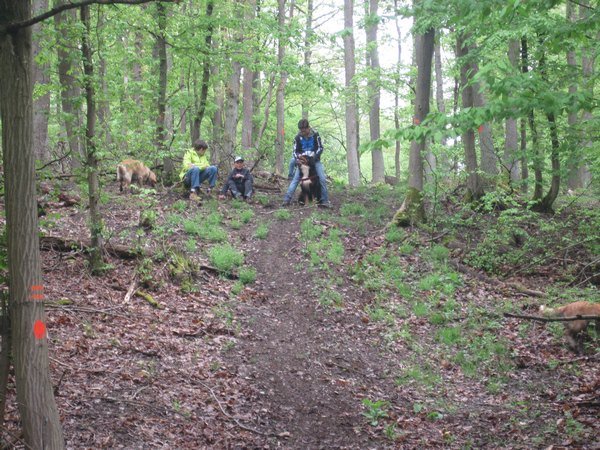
column 351, row 108
column 41, row 105
column 35, row 399
column 96, row 260
column 248, row 93
column 372, row 22
column 474, row 183
column 70, row 92
column 201, row 105
column 511, row 140
column 279, row 96
column 308, row 34
column 397, row 95
column 412, row 209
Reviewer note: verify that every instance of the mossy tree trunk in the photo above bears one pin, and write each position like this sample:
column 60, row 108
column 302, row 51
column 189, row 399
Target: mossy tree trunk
column 412, row 209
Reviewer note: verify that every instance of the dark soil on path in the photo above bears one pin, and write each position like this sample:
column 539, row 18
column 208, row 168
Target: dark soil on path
column 311, row 367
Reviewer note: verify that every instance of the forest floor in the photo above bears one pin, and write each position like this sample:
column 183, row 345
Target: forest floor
column 350, row 337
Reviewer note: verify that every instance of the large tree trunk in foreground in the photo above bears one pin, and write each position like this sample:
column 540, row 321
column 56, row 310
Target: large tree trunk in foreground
column 35, row 399
column 412, row 209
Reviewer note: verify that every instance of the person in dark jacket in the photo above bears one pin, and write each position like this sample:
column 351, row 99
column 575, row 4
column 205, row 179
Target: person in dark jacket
column 239, row 182
column 308, row 143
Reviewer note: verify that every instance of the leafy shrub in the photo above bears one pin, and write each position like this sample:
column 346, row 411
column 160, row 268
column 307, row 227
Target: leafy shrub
column 247, row 275
column 262, row 231
column 225, row 258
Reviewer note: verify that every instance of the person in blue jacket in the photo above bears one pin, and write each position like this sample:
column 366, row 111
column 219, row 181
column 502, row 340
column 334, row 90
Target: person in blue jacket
column 308, row 143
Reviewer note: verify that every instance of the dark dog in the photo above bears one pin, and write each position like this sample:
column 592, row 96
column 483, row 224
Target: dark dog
column 309, row 181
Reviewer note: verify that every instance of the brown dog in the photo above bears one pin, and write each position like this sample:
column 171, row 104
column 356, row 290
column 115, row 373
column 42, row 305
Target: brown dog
column 575, row 329
column 130, row 170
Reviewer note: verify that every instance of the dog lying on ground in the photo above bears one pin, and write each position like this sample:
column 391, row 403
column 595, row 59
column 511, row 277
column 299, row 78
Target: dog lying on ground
column 309, row 181
column 575, row 329
column 130, row 170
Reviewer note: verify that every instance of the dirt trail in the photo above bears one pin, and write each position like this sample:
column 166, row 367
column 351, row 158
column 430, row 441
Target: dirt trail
column 310, row 365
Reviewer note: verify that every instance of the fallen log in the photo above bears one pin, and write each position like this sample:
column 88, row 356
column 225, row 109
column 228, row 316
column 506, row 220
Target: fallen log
column 69, row 245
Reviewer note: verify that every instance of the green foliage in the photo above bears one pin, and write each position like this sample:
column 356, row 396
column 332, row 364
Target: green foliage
column 375, row 410
column 247, row 275
column 262, row 231
column 283, row 214
column 180, row 206
column 330, row 297
column 207, row 228
column 225, row 258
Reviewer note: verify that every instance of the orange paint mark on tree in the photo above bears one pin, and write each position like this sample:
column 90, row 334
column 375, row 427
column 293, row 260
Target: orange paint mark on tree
column 39, row 329
column 37, row 292
column 480, row 129
column 416, row 121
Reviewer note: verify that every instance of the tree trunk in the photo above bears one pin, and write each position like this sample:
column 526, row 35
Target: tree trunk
column 397, row 95
column 511, row 140
column 247, row 108
column 372, row 21
column 41, row 105
column 38, row 413
column 70, row 92
column 248, row 93
column 160, row 48
column 579, row 172
column 439, row 99
column 545, row 205
column 103, row 102
column 201, row 105
column 232, row 94
column 97, row 250
column 308, row 34
column 474, row 183
column 280, row 154
column 523, row 146
column 412, row 209
column 487, row 150
column 351, row 108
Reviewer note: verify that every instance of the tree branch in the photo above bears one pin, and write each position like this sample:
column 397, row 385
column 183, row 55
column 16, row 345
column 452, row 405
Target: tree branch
column 552, row 319
column 16, row 26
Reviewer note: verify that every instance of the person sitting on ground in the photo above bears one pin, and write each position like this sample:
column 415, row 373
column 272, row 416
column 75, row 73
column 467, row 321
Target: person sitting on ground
column 308, row 142
column 196, row 169
column 240, row 182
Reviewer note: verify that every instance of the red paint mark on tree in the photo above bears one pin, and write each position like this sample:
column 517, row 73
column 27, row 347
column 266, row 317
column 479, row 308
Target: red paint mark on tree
column 37, row 296
column 37, row 287
column 416, row 121
column 480, row 128
column 39, row 329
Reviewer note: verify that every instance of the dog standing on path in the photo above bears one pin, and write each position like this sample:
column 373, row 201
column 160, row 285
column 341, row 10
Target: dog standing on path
column 309, row 182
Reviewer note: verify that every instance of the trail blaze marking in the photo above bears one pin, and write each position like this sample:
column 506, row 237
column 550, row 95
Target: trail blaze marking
column 39, row 329
column 480, row 129
column 36, row 290
column 416, row 121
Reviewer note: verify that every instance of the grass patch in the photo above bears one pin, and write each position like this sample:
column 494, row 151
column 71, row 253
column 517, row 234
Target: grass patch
column 225, row 258
column 262, row 231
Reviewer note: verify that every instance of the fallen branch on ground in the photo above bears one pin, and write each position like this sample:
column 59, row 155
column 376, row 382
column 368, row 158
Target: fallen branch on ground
column 552, row 319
